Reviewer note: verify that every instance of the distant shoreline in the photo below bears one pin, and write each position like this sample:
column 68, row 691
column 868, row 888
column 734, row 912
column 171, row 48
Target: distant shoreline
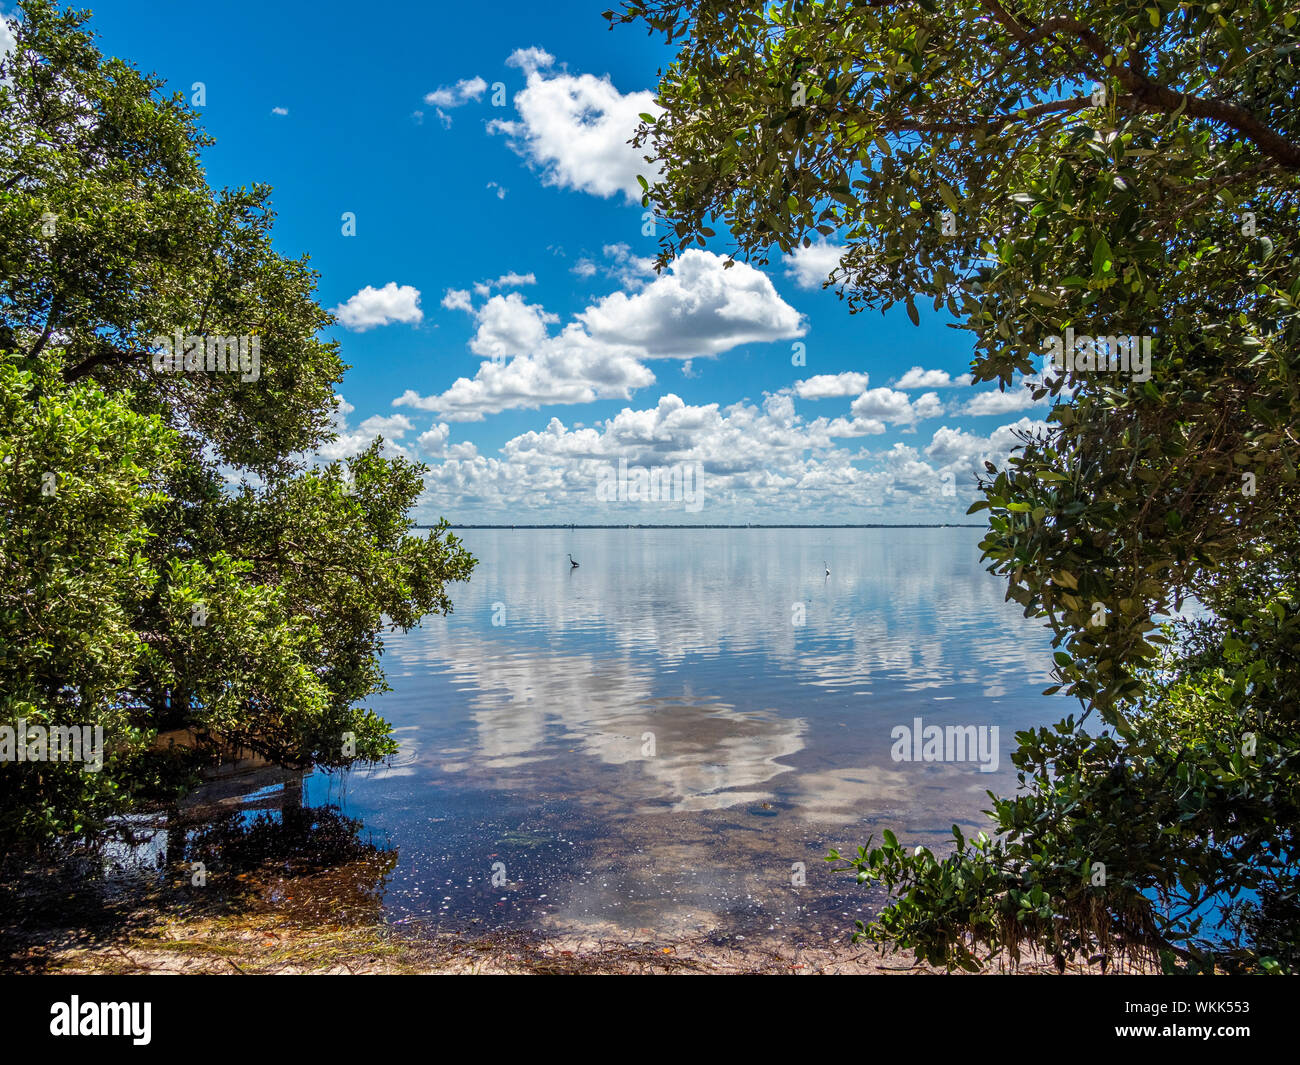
column 624, row 525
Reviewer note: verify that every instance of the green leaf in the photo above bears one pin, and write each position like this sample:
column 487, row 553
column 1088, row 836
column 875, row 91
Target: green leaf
column 1102, row 258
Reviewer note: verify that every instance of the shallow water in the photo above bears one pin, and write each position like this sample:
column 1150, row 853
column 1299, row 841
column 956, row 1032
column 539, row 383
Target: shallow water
column 653, row 740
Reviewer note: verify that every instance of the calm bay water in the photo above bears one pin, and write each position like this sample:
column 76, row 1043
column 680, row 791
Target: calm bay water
column 654, row 739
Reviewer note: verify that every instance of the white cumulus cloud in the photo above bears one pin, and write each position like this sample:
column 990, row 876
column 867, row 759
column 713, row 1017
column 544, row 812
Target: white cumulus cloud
column 380, row 306
column 1016, row 398
column 831, row 385
column 568, row 368
column 508, row 326
column 890, row 406
column 919, row 378
column 697, row 309
column 810, row 267
column 530, row 60
column 457, row 299
column 575, row 129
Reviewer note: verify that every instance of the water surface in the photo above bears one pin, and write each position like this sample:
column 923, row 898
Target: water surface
column 654, row 739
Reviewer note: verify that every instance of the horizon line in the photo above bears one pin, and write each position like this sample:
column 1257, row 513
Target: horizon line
column 624, row 525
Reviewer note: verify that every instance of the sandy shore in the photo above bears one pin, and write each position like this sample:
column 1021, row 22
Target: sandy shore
column 240, row 946
column 52, row 921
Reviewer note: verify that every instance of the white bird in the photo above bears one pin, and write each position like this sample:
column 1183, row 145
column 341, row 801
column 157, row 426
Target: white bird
column 573, row 564
column 828, row 569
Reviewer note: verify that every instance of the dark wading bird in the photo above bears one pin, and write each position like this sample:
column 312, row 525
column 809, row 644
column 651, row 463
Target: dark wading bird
column 572, row 564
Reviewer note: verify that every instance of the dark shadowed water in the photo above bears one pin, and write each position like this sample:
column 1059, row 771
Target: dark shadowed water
column 655, row 739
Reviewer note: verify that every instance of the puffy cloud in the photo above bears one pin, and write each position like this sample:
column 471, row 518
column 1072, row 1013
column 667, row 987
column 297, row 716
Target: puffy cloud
column 457, row 299
column 435, row 443
column 953, row 445
column 380, row 306
column 952, row 448
column 631, row 271
column 755, row 461
column 576, row 129
column 392, row 426
column 841, row 427
column 698, row 308
column 998, row 402
column 1016, row 398
column 810, row 267
column 457, row 95
column 508, row 326
column 349, row 441
column 514, row 280
column 510, row 280
column 891, row 406
column 927, row 405
column 569, row 368
column 744, row 443
column 530, row 60
column 831, row 385
column 279, row 110
column 919, row 378
column 910, row 475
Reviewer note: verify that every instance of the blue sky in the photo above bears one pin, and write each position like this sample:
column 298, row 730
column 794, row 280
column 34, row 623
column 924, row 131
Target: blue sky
column 495, row 303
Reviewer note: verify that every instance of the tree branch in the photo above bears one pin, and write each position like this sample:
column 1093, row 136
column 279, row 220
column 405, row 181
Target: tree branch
column 104, row 353
column 1151, row 95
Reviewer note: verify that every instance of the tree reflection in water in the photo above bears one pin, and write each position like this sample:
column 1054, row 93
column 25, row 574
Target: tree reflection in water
column 306, row 864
